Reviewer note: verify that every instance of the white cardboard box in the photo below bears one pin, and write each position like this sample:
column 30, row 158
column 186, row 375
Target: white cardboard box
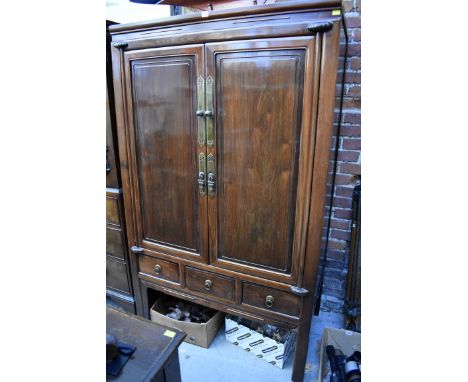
column 263, row 347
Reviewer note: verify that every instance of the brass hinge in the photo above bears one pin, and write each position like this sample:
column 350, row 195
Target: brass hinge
column 200, row 110
column 209, row 112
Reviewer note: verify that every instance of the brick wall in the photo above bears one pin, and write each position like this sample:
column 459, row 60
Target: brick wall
column 349, row 164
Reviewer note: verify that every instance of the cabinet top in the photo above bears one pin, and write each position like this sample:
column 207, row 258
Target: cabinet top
column 295, row 5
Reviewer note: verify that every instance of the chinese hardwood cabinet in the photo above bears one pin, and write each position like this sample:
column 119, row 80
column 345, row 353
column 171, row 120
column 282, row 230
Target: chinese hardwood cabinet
column 224, row 122
column 119, row 289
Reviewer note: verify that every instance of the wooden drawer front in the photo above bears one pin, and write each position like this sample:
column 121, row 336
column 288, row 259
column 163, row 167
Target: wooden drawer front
column 112, row 211
column 209, row 283
column 270, row 299
column 114, row 244
column 116, row 275
column 158, row 268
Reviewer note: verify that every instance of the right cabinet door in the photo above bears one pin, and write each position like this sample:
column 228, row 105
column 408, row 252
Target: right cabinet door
column 262, row 94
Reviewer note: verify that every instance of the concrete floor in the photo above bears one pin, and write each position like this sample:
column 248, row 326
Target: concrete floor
column 225, row 362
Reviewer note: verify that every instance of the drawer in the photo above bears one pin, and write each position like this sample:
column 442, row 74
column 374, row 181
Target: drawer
column 209, row 283
column 114, row 243
column 112, row 211
column 116, row 275
column 161, row 269
column 270, row 299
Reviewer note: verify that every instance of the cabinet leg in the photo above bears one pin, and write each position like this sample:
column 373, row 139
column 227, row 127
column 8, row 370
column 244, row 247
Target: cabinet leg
column 300, row 357
column 144, row 302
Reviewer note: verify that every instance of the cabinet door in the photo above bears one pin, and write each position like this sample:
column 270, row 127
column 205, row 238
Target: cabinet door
column 263, row 128
column 169, row 213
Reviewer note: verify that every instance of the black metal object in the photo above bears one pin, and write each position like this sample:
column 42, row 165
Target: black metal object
column 121, row 353
column 352, row 305
column 336, row 371
column 320, row 27
column 335, row 164
column 352, row 367
column 108, row 168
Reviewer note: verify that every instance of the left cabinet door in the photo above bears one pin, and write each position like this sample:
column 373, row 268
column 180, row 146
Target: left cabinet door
column 161, row 91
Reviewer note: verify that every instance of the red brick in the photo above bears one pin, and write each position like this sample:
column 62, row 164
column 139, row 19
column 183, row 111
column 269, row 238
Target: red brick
column 350, row 131
column 348, row 103
column 353, row 21
column 336, row 266
column 353, row 78
column 348, row 5
column 340, row 224
column 348, row 156
column 351, row 144
column 354, row 49
column 336, row 255
column 329, row 306
column 352, row 118
column 353, row 90
column 341, row 202
column 331, row 283
column 344, row 191
column 335, row 274
column 356, row 35
column 341, row 213
column 338, row 89
column 336, row 244
column 340, row 63
column 350, row 168
column 344, row 179
column 336, row 116
column 355, row 63
column 339, row 234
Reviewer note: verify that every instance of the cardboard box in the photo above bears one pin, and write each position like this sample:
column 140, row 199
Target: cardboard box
column 345, row 340
column 197, row 334
column 263, row 347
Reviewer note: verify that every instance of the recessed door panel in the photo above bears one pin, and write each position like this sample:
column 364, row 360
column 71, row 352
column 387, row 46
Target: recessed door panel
column 162, row 88
column 258, row 111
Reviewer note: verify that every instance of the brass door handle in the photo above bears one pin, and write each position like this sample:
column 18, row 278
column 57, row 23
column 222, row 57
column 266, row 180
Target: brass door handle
column 269, row 301
column 157, row 269
column 208, row 285
column 211, row 183
column 201, row 182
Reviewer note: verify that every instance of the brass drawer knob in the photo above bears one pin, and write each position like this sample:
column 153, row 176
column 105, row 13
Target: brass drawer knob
column 269, row 301
column 208, row 285
column 157, row 269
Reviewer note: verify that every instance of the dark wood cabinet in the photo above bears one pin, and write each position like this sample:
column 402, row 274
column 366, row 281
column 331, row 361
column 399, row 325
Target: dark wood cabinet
column 119, row 289
column 224, row 125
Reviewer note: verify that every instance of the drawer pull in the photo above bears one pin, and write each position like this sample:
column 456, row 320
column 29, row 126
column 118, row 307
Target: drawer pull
column 269, row 301
column 157, row 269
column 208, row 285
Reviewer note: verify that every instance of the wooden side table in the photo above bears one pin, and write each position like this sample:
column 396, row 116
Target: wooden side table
column 156, row 357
